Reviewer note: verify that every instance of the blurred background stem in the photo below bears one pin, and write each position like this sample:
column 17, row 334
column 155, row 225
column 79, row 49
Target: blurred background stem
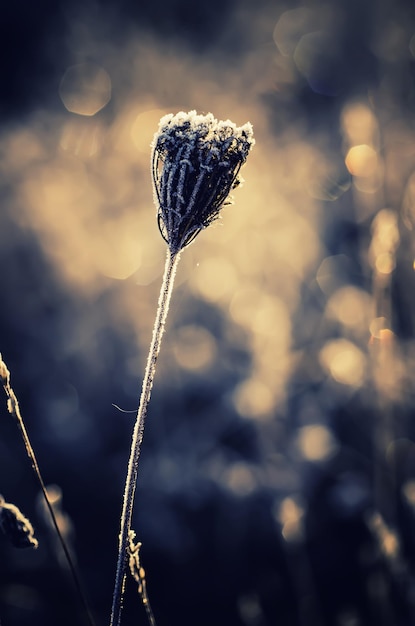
column 14, row 410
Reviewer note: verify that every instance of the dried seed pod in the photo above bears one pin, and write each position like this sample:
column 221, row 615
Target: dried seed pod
column 196, row 161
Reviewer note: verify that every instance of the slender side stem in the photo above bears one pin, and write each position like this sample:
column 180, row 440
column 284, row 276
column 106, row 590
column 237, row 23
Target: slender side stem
column 14, row 410
column 139, row 575
column 137, row 437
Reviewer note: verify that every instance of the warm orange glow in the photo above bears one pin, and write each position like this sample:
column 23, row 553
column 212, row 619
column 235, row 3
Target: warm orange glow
column 352, row 307
column 409, row 492
column 345, row 362
column 215, row 278
column 377, row 326
column 289, row 515
column 362, row 161
column 386, row 232
column 385, row 263
column 387, row 538
column 316, row 443
column 194, row 347
column 384, row 242
column 144, row 127
column 84, row 189
column 253, row 398
column 240, row 479
column 359, row 124
column 275, row 440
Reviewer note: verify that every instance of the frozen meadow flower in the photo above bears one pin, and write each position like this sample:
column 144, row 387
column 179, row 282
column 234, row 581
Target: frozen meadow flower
column 196, row 161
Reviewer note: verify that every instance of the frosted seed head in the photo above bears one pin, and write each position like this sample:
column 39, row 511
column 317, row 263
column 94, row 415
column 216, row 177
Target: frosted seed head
column 196, row 161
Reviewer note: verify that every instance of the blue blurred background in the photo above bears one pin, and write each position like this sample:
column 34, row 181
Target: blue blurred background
column 277, row 477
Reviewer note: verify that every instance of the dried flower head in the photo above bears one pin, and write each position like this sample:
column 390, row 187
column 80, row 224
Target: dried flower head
column 196, row 162
column 16, row 526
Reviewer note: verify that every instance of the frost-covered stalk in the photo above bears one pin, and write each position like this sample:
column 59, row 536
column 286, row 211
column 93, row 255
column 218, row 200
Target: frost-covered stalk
column 196, row 162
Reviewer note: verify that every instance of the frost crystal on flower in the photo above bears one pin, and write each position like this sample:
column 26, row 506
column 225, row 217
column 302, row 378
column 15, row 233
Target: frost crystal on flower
column 196, row 161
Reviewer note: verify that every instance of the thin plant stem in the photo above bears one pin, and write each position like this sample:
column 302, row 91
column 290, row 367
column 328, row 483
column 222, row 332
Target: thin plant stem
column 14, row 410
column 172, row 260
column 139, row 575
column 148, row 609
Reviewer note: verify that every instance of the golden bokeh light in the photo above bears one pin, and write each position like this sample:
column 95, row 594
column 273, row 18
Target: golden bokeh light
column 261, row 312
column 215, row 279
column 144, row 127
column 359, row 124
column 267, row 319
column 388, row 365
column 408, row 490
column 240, row 479
column 282, row 399
column 344, row 361
column 194, row 347
column 316, row 443
column 352, row 307
column 385, row 263
column 82, row 137
column 409, row 203
column 385, row 240
column 21, row 149
column 290, row 515
column 331, row 272
column 67, row 210
column 377, row 326
column 362, row 161
column 387, row 538
column 85, row 191
column 386, row 231
column 254, row 399
column 85, row 88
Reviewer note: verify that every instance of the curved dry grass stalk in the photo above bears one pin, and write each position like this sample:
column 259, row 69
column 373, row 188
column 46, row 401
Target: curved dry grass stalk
column 14, row 410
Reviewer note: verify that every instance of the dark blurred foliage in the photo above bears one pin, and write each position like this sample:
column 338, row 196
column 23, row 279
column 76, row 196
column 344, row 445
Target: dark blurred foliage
column 242, row 524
